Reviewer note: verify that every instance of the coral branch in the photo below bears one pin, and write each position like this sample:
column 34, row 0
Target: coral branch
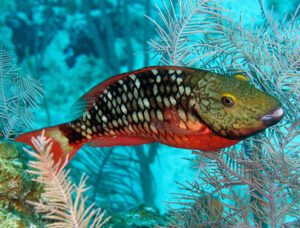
column 58, row 203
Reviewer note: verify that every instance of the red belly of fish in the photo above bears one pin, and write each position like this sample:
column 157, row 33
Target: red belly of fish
column 203, row 142
column 207, row 142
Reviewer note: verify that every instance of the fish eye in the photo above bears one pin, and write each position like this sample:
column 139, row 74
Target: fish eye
column 227, row 101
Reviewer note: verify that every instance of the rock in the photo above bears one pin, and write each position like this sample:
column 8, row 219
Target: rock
column 16, row 188
column 8, row 151
column 142, row 216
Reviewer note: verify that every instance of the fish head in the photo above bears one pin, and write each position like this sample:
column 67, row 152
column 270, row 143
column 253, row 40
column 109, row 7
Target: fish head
column 234, row 108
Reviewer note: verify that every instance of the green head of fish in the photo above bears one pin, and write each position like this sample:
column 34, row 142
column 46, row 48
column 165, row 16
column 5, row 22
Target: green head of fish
column 232, row 107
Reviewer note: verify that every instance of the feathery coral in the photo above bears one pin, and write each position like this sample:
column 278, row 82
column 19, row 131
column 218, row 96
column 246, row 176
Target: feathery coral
column 255, row 183
column 243, row 187
column 18, row 95
column 57, row 203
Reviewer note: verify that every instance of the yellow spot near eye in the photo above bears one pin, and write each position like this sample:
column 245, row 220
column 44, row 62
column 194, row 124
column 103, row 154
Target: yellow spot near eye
column 241, row 76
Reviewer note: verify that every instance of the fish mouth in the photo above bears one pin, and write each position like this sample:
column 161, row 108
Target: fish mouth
column 272, row 117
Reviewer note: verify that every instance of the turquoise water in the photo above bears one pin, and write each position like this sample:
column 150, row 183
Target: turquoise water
column 70, row 46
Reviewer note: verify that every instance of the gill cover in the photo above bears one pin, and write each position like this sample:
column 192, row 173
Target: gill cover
column 234, row 108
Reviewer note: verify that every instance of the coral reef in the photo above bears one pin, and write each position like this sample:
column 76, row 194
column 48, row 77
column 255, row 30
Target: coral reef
column 16, row 188
column 72, row 45
column 20, row 190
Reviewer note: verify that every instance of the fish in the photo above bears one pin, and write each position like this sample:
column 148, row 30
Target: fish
column 177, row 106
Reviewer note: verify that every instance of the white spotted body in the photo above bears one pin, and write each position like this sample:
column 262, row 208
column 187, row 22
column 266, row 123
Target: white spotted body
column 139, row 105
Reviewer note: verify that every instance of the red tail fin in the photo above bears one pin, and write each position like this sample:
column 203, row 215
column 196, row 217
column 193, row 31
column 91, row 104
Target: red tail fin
column 61, row 146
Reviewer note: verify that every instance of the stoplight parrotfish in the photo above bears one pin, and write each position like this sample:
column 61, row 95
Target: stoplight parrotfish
column 177, row 106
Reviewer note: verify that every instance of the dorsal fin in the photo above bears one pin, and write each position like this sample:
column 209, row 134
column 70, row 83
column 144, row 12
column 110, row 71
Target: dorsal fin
column 87, row 100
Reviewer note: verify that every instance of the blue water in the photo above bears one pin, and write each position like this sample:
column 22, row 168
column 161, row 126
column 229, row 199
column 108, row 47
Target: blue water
column 70, row 46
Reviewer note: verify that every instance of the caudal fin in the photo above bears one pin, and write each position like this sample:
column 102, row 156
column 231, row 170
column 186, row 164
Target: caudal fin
column 61, row 146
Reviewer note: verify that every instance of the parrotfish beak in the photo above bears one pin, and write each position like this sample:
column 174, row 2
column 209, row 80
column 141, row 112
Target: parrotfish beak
column 266, row 121
column 273, row 117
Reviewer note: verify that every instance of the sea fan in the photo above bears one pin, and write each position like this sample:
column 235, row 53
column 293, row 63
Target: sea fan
column 18, row 96
column 57, row 201
column 254, row 183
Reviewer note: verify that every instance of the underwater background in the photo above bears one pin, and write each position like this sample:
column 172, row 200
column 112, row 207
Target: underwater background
column 53, row 51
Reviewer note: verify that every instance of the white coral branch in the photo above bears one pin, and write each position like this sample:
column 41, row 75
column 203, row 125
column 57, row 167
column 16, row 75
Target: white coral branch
column 57, row 203
column 19, row 96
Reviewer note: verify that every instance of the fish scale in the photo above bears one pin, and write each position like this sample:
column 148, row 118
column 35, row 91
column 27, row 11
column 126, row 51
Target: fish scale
column 123, row 107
